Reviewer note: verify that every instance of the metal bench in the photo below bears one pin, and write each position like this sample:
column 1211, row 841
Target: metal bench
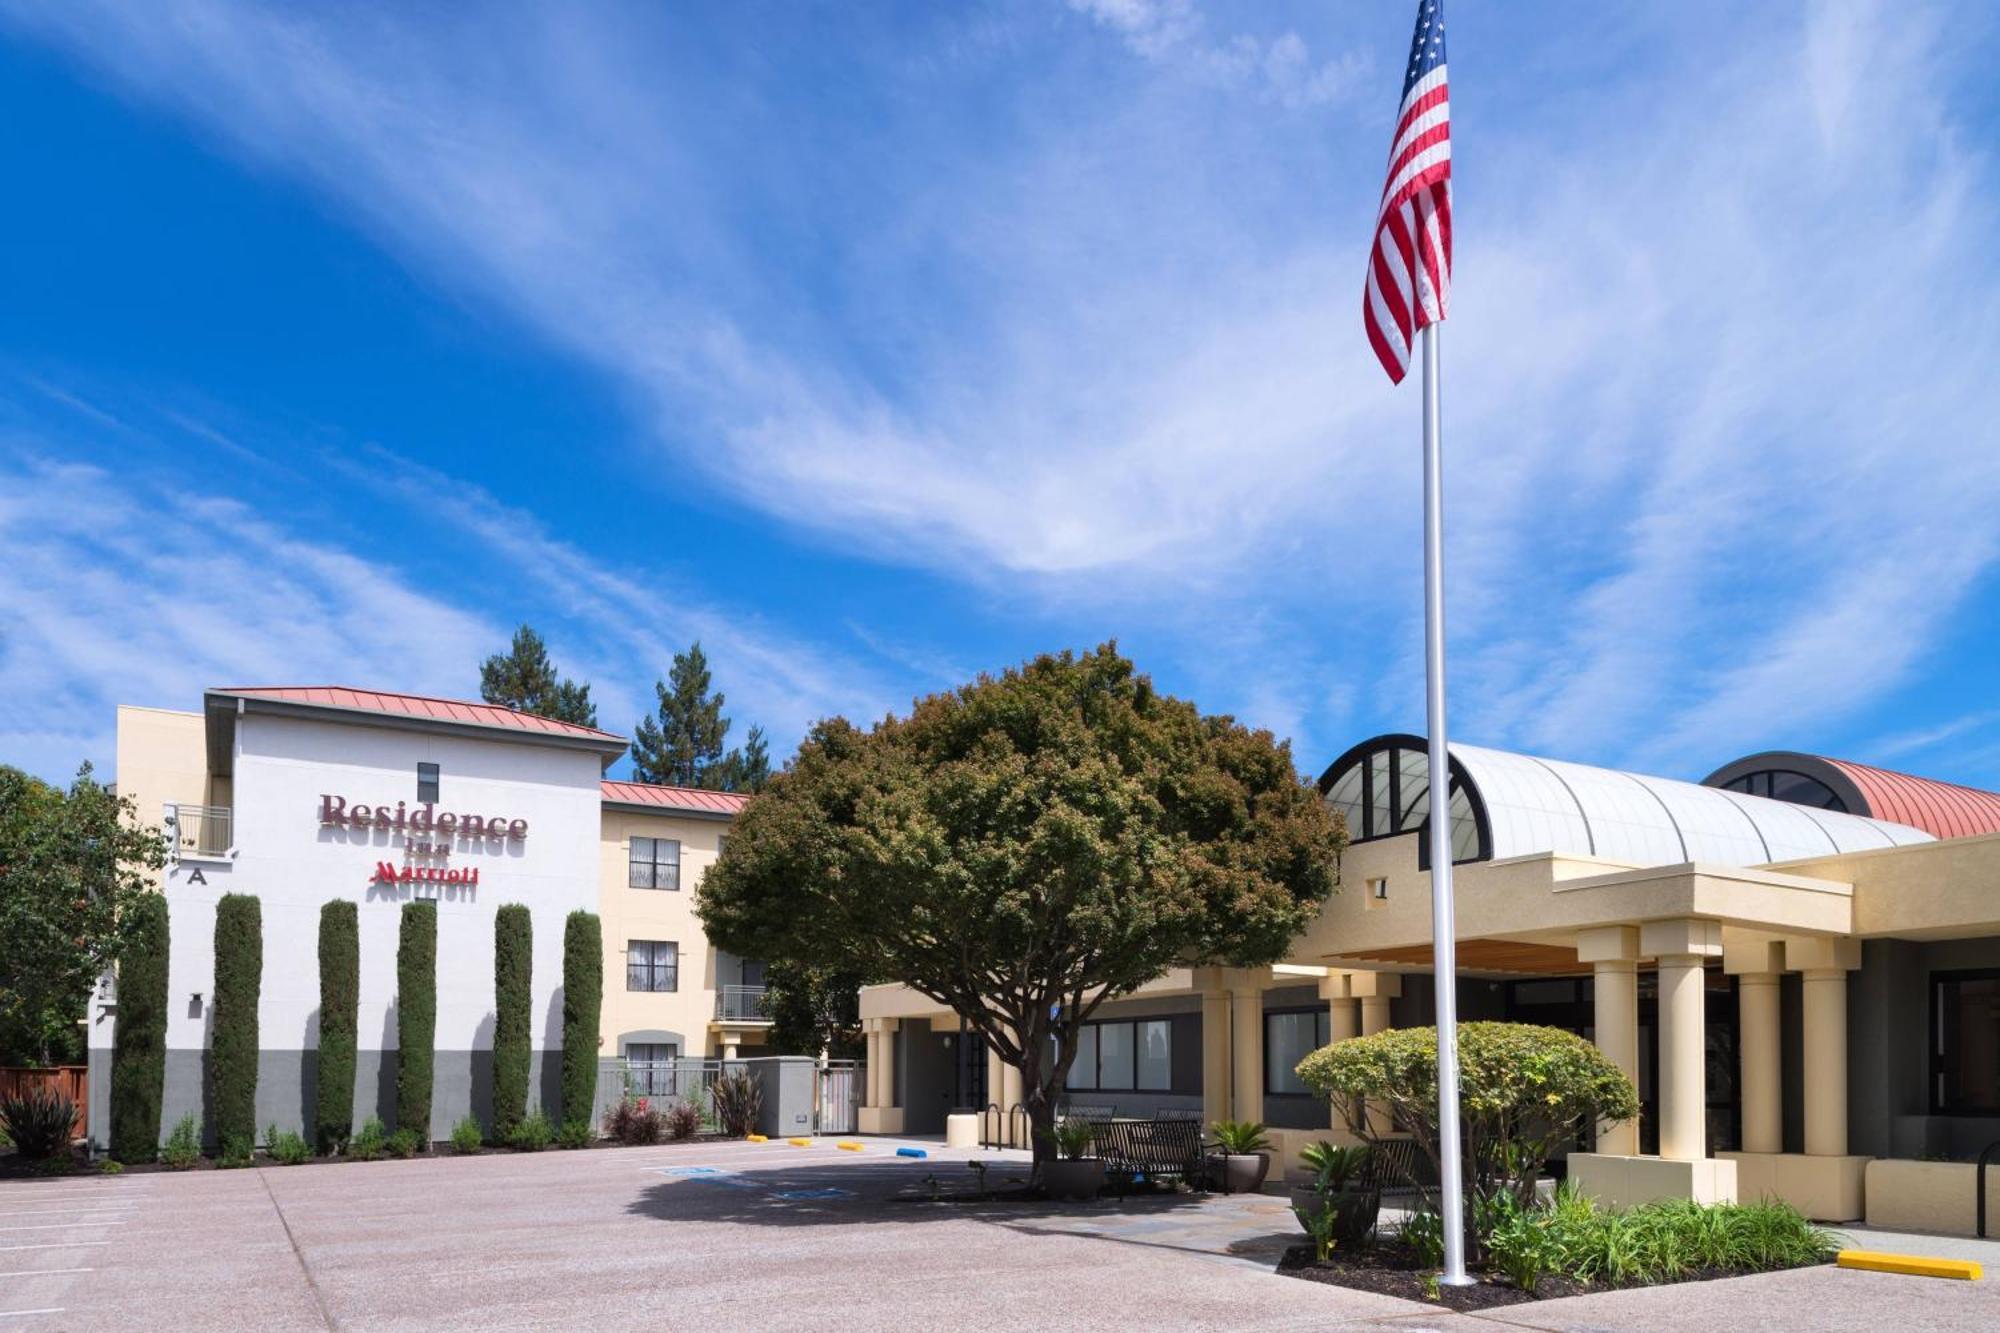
column 1136, row 1151
column 1398, row 1166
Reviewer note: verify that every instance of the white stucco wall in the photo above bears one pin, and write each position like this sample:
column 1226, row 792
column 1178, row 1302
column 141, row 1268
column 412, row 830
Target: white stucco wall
column 283, row 767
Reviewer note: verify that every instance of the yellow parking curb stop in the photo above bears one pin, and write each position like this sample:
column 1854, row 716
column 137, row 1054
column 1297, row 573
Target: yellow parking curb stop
column 1910, row 1265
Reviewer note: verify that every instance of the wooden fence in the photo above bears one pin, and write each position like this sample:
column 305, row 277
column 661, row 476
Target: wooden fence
column 73, row 1081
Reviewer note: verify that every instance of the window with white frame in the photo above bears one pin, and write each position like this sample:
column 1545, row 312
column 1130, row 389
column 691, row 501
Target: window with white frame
column 656, row 864
column 652, row 965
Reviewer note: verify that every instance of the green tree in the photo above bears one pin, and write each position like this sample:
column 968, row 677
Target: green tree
column 233, row 1049
column 513, row 973
column 583, row 1005
column 339, row 1001
column 812, row 1010
column 71, row 864
column 416, row 1016
column 1026, row 848
column 139, row 1041
column 523, row 678
column 682, row 744
column 747, row 769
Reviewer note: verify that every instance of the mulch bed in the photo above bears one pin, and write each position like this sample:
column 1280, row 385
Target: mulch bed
column 1391, row 1270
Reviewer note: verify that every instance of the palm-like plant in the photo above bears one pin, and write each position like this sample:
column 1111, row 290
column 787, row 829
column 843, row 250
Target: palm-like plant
column 1240, row 1138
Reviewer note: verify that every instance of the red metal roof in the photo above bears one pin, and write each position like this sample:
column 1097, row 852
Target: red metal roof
column 690, row 799
column 1943, row 809
column 416, row 706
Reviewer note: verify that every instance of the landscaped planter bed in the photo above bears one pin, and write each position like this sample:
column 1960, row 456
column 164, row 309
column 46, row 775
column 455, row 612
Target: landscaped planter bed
column 1390, row 1269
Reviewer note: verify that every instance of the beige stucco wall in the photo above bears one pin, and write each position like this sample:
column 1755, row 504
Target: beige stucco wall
column 1929, row 1196
column 1931, row 890
column 163, row 756
column 658, row 914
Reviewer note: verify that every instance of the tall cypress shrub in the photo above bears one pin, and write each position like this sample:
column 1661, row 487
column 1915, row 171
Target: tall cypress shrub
column 239, row 978
column 339, row 999
column 139, row 1041
column 513, row 945
column 416, row 1016
column 583, row 1003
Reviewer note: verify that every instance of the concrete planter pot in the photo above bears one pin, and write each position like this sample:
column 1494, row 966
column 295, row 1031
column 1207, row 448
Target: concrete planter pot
column 1355, row 1211
column 1239, row 1173
column 1073, row 1177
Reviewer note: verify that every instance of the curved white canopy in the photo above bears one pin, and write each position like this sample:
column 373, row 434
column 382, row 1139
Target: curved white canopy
column 1547, row 805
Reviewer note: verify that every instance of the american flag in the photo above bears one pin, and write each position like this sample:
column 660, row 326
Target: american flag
column 1409, row 270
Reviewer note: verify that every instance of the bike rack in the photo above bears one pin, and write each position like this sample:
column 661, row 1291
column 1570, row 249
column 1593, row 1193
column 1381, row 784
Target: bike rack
column 1979, row 1184
column 994, row 1133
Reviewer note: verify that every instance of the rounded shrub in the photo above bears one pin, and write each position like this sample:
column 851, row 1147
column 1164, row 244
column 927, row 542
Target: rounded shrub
column 513, row 973
column 583, row 1004
column 339, row 1001
column 1524, row 1092
column 239, row 977
column 139, row 1039
column 416, row 1018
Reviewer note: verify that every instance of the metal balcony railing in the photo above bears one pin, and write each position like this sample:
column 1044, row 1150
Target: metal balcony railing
column 197, row 830
column 741, row 1004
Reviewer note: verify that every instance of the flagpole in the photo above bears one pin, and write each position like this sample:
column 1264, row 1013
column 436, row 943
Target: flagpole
column 1444, row 932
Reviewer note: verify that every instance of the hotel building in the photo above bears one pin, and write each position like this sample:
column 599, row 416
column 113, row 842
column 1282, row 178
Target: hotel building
column 1797, row 961
column 305, row 795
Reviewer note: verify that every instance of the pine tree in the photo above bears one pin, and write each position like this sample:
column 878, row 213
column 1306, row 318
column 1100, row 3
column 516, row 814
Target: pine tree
column 525, row 679
column 683, row 747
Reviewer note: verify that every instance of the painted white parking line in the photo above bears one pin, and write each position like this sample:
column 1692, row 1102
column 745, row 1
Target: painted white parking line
column 55, row 1245
column 48, row 1212
column 47, row 1309
column 45, row 1272
column 68, row 1226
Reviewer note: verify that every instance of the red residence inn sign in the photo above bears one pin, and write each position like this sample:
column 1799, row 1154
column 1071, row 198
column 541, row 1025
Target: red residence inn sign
column 439, row 831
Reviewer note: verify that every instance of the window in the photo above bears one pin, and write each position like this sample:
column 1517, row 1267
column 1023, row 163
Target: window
column 649, row 1068
column 1290, row 1035
column 652, row 965
column 1781, row 784
column 656, row 863
column 1124, row 1056
column 1965, row 1057
column 427, row 783
column 1384, row 789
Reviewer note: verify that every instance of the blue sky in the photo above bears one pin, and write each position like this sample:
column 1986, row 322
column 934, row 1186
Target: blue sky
column 875, row 346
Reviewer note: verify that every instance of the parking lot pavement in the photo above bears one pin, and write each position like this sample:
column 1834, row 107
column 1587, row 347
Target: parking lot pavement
column 722, row 1236
column 686, row 1236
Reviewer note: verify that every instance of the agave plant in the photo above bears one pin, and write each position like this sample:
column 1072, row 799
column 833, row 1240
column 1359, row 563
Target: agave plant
column 39, row 1121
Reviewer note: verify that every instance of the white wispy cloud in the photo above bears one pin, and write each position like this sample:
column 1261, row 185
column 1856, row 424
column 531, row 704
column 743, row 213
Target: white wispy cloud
column 1716, row 370
column 1178, row 34
column 130, row 593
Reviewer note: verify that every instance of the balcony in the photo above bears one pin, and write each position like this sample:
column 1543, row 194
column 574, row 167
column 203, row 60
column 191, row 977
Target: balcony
column 198, row 832
column 740, row 1004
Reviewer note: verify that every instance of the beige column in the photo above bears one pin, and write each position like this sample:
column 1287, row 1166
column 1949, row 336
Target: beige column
column 1681, row 948
column 871, row 1033
column 1612, row 952
column 1343, row 1021
column 1246, row 1040
column 1824, row 963
column 729, row 1046
column 1376, row 990
column 1757, row 1034
column 1216, row 1070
